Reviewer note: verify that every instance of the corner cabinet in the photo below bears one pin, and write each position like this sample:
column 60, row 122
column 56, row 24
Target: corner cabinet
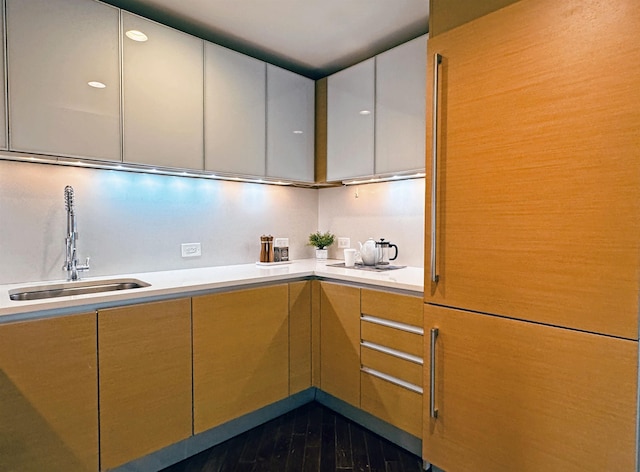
column 64, row 78
column 340, row 341
column 162, row 95
column 49, row 395
column 401, row 76
column 350, row 121
column 144, row 354
column 290, row 125
column 376, row 114
column 532, row 265
column 240, row 353
column 234, row 107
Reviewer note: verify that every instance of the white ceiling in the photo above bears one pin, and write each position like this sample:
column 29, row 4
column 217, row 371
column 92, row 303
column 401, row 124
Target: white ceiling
column 311, row 37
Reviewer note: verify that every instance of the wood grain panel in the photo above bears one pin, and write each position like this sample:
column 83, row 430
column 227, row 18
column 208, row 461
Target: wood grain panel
column 49, row 395
column 340, row 341
column 394, row 404
column 448, row 14
column 321, row 131
column 539, row 179
column 394, row 338
column 392, row 306
column 520, row 396
column 240, row 353
column 391, row 365
column 315, row 333
column 145, row 379
column 299, row 336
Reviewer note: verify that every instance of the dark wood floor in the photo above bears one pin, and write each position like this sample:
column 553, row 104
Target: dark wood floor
column 310, row 438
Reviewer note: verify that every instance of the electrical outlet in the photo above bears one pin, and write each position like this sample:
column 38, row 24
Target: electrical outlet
column 191, row 250
column 344, row 243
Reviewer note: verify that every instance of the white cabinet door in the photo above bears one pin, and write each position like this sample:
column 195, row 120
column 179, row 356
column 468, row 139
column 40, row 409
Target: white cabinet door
column 290, row 125
column 3, row 101
column 234, row 112
column 400, row 107
column 162, row 96
column 55, row 49
column 350, row 122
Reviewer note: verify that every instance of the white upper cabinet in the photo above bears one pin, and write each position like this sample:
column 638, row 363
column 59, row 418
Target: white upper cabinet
column 391, row 138
column 401, row 85
column 56, row 51
column 234, row 112
column 290, row 125
column 350, row 121
column 162, row 95
column 3, row 102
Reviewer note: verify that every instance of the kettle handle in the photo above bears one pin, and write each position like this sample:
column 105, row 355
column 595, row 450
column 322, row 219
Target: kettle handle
column 396, row 254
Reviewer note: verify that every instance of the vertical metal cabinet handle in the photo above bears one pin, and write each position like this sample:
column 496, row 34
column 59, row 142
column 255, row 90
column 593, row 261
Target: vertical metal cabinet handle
column 433, row 411
column 437, row 60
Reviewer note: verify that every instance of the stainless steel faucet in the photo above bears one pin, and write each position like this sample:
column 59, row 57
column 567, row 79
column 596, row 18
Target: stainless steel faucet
column 71, row 265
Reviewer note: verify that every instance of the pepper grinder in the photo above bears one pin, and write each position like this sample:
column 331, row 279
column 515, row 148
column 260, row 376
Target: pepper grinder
column 266, row 248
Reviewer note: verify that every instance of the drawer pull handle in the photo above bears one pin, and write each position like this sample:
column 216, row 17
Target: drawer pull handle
column 391, row 379
column 433, row 411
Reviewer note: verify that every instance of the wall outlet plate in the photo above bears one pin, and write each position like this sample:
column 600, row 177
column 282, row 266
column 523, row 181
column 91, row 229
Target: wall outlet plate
column 344, row 243
column 191, row 249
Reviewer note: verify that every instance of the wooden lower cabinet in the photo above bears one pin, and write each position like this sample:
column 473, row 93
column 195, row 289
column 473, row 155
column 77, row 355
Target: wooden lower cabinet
column 48, row 395
column 144, row 356
column 240, row 353
column 519, row 396
column 299, row 336
column 340, row 341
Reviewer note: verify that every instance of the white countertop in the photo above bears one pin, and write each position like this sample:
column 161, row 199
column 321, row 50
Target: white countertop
column 173, row 283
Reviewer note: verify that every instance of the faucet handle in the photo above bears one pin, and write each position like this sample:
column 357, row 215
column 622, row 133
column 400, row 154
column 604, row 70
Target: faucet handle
column 85, row 266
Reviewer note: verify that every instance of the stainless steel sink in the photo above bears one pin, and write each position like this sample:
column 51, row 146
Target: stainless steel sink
column 40, row 292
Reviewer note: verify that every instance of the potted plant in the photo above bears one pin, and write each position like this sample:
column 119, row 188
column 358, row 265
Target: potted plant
column 321, row 241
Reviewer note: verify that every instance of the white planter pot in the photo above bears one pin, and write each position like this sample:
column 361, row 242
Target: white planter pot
column 321, row 253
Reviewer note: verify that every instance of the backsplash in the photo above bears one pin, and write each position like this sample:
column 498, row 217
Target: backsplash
column 390, row 210
column 130, row 222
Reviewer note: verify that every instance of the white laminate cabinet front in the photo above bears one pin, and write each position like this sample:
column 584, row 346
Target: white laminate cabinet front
column 55, row 49
column 234, row 112
column 401, row 81
column 162, row 96
column 290, row 125
column 350, row 122
column 3, row 97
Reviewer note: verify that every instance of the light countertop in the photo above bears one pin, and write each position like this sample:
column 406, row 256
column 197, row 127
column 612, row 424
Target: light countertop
column 169, row 284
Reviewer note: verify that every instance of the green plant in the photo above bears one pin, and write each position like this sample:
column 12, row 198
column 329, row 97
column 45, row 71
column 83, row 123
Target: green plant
column 321, row 240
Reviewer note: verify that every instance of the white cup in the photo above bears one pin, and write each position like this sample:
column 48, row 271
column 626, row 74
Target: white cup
column 349, row 257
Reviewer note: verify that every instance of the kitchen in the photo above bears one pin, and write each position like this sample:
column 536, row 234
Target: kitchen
column 204, row 210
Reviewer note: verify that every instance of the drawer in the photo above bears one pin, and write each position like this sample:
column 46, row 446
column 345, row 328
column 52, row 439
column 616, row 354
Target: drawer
column 395, row 338
column 392, row 306
column 389, row 364
column 392, row 403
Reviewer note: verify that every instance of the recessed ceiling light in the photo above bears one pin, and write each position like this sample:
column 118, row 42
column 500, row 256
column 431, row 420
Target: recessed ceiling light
column 96, row 84
column 297, row 131
column 365, row 112
column 136, row 35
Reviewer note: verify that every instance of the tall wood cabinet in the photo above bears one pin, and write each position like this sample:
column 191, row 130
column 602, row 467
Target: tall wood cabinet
column 240, row 353
column 536, row 211
column 144, row 354
column 49, row 395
